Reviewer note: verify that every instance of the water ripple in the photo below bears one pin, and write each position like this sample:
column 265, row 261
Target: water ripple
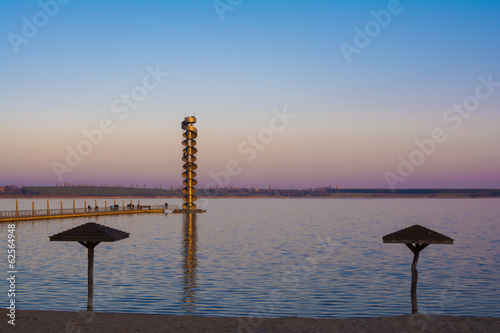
column 270, row 258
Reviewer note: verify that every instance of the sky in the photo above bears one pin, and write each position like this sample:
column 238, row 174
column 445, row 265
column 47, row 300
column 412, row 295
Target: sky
column 287, row 94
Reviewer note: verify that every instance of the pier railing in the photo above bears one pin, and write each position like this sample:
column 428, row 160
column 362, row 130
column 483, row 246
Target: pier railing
column 81, row 211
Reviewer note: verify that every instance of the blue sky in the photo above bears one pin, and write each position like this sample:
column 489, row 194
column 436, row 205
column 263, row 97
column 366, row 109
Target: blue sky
column 232, row 63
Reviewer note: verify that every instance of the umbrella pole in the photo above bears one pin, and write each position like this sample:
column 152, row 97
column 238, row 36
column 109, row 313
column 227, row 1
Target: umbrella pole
column 90, row 296
column 414, row 274
column 414, row 279
column 90, row 273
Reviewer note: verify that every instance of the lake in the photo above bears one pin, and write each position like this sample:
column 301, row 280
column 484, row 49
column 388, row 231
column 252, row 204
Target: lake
column 319, row 258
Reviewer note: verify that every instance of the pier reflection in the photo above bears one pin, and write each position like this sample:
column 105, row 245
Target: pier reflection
column 189, row 262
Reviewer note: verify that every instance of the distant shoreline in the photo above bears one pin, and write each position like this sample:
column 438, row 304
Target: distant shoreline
column 337, row 196
column 13, row 191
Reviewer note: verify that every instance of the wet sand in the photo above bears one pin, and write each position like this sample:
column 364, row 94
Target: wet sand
column 62, row 321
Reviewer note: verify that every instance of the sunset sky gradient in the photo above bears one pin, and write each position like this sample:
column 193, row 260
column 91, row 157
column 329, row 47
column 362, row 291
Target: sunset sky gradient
column 236, row 65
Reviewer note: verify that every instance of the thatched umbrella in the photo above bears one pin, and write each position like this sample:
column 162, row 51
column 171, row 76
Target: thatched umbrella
column 416, row 238
column 89, row 235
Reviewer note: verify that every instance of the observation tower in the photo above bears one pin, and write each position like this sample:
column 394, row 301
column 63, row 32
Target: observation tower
column 189, row 174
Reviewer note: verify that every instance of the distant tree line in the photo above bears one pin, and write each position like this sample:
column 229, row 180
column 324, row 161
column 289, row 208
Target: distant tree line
column 8, row 190
column 335, row 192
column 100, row 191
column 120, row 191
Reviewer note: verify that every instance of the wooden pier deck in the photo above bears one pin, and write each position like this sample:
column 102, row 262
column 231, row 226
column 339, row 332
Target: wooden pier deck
column 58, row 213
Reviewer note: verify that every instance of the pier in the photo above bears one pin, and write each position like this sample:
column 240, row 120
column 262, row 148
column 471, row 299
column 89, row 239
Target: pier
column 57, row 213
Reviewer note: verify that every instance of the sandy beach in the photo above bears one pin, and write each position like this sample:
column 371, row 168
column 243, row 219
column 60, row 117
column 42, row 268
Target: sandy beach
column 80, row 322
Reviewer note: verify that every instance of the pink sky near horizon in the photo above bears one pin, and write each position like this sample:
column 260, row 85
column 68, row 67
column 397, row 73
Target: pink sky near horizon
column 291, row 160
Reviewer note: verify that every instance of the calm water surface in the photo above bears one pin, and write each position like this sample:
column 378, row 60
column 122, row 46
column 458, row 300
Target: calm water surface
column 321, row 258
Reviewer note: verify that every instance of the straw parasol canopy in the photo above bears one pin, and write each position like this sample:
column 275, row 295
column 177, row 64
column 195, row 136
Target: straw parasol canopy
column 416, row 238
column 418, row 235
column 89, row 235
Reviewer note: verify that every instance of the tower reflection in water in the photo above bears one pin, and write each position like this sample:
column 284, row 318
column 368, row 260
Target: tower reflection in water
column 189, row 263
